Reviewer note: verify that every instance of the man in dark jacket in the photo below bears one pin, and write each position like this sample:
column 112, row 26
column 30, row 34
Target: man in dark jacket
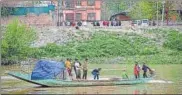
column 79, row 23
column 96, row 73
column 144, row 68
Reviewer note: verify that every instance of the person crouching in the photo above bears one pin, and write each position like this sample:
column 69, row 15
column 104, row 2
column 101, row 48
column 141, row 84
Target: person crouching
column 96, row 73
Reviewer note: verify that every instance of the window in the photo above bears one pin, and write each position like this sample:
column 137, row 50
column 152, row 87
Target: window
column 78, row 3
column 78, row 16
column 69, row 17
column 69, row 3
column 91, row 2
column 91, row 16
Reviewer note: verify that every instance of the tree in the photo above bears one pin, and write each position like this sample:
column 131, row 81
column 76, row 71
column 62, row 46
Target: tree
column 170, row 14
column 16, row 41
column 6, row 11
column 111, row 7
column 143, row 10
column 126, row 5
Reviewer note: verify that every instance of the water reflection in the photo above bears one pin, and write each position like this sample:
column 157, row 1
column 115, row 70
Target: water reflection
column 137, row 92
column 142, row 89
column 123, row 89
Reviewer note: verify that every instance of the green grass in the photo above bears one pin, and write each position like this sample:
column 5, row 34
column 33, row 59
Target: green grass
column 174, row 40
column 113, row 47
column 102, row 44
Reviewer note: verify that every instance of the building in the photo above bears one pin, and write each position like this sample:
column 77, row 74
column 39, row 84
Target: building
column 29, row 12
column 173, row 6
column 79, row 10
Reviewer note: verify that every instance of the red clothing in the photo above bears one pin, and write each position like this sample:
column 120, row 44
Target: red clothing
column 73, row 24
column 69, row 71
column 104, row 23
column 136, row 71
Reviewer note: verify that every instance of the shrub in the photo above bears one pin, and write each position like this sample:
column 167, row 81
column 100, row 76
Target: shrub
column 103, row 45
column 174, row 40
column 16, row 41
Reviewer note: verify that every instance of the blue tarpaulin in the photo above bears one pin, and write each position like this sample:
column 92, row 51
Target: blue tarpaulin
column 47, row 69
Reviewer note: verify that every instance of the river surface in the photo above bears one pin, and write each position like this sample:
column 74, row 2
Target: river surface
column 10, row 85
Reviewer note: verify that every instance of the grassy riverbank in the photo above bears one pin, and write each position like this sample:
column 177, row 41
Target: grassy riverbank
column 153, row 46
column 156, row 46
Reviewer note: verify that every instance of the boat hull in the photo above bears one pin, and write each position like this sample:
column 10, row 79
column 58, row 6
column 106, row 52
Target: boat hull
column 76, row 83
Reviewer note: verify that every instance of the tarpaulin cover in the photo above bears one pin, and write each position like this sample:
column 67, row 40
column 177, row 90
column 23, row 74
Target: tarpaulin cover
column 47, row 69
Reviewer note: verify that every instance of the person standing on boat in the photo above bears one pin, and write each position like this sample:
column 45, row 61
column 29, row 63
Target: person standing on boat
column 124, row 74
column 139, row 69
column 144, row 68
column 68, row 66
column 136, row 71
column 77, row 66
column 85, row 69
column 96, row 73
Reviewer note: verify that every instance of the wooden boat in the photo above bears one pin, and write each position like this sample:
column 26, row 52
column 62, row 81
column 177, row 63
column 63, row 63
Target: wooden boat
column 75, row 83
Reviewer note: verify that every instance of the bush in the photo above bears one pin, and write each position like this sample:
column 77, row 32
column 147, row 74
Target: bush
column 108, row 47
column 174, row 40
column 103, row 45
column 6, row 11
column 16, row 41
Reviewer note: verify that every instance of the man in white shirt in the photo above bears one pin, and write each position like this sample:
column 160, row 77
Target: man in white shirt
column 84, row 23
column 77, row 66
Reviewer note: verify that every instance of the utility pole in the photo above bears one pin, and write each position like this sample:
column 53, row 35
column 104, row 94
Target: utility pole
column 60, row 13
column 58, row 23
column 167, row 10
column 74, row 8
column 118, row 7
column 163, row 2
column 0, row 30
column 157, row 13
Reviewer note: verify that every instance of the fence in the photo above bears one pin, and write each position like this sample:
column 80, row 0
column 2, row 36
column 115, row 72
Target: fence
column 35, row 10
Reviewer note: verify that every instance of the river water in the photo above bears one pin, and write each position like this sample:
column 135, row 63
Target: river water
column 10, row 85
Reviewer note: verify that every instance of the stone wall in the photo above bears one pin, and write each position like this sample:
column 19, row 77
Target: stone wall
column 31, row 19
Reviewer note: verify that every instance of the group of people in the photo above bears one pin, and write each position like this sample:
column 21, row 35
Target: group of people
column 145, row 68
column 107, row 23
column 78, row 68
column 94, row 23
column 83, row 68
column 79, row 23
